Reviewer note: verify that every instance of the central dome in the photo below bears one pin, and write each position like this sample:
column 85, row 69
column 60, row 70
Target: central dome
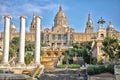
column 60, row 18
column 60, row 13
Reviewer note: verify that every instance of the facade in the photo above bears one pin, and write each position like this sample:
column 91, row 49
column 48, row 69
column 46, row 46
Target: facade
column 61, row 35
column 1, row 47
column 102, row 33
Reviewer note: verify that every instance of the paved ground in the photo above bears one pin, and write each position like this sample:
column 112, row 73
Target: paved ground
column 62, row 74
column 103, row 76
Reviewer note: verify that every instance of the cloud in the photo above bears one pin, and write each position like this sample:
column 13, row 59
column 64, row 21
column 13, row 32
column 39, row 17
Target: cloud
column 26, row 7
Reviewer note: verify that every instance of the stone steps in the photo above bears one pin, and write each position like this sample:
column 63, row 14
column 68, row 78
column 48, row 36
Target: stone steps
column 62, row 75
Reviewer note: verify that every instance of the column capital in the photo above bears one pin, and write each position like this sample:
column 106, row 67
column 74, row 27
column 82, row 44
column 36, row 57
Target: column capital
column 7, row 16
column 22, row 16
column 37, row 16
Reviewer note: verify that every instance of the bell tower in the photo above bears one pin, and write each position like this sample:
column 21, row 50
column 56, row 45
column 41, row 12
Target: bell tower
column 89, row 25
column 33, row 25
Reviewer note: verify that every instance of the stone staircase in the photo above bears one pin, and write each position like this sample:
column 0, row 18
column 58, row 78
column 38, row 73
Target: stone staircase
column 62, row 75
column 38, row 71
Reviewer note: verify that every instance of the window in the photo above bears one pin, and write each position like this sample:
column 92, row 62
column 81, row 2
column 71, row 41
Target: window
column 53, row 44
column 58, row 44
column 56, row 54
column 59, row 37
column 53, row 37
column 48, row 53
column 65, row 37
column 101, row 36
column 65, row 44
column 47, row 37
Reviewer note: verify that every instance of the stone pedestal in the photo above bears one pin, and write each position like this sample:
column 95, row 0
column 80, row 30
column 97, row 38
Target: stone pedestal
column 6, row 40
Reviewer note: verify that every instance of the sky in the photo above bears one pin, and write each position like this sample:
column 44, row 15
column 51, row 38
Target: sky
column 76, row 11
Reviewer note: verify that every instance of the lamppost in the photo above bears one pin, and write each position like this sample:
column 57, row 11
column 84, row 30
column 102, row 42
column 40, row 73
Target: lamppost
column 67, row 61
column 90, row 53
column 67, row 56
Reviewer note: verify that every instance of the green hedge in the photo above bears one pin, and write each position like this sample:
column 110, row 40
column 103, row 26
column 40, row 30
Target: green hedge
column 97, row 69
column 69, row 66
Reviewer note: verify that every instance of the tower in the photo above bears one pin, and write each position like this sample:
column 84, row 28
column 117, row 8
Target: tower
column 89, row 25
column 33, row 25
column 110, row 27
column 100, row 37
column 110, row 30
column 101, row 30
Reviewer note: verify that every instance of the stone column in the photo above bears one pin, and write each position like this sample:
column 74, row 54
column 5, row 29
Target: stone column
column 37, row 41
column 6, row 40
column 22, row 41
column 68, row 39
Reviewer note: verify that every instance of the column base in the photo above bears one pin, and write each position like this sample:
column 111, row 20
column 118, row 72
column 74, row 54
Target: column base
column 19, row 64
column 4, row 64
column 36, row 64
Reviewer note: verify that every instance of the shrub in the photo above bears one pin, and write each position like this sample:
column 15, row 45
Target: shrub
column 61, row 66
column 110, row 69
column 69, row 66
column 92, row 70
column 73, row 66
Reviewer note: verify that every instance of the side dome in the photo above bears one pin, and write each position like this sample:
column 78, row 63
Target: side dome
column 12, row 26
column 110, row 25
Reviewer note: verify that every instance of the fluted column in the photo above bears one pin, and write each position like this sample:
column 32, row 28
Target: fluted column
column 6, row 40
column 37, row 41
column 22, row 41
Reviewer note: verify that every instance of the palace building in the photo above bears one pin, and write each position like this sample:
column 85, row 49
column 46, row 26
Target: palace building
column 59, row 37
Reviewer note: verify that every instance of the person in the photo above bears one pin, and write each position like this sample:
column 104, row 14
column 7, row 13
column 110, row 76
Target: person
column 79, row 74
column 86, row 76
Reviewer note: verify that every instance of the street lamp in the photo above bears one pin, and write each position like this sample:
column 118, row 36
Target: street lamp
column 67, row 61
column 90, row 53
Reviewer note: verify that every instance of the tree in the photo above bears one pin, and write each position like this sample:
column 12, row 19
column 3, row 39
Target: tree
column 111, row 48
column 29, row 49
column 79, row 50
column 29, row 57
column 14, row 47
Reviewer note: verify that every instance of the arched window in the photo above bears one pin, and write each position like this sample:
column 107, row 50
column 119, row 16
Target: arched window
column 102, row 36
column 48, row 53
column 56, row 54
